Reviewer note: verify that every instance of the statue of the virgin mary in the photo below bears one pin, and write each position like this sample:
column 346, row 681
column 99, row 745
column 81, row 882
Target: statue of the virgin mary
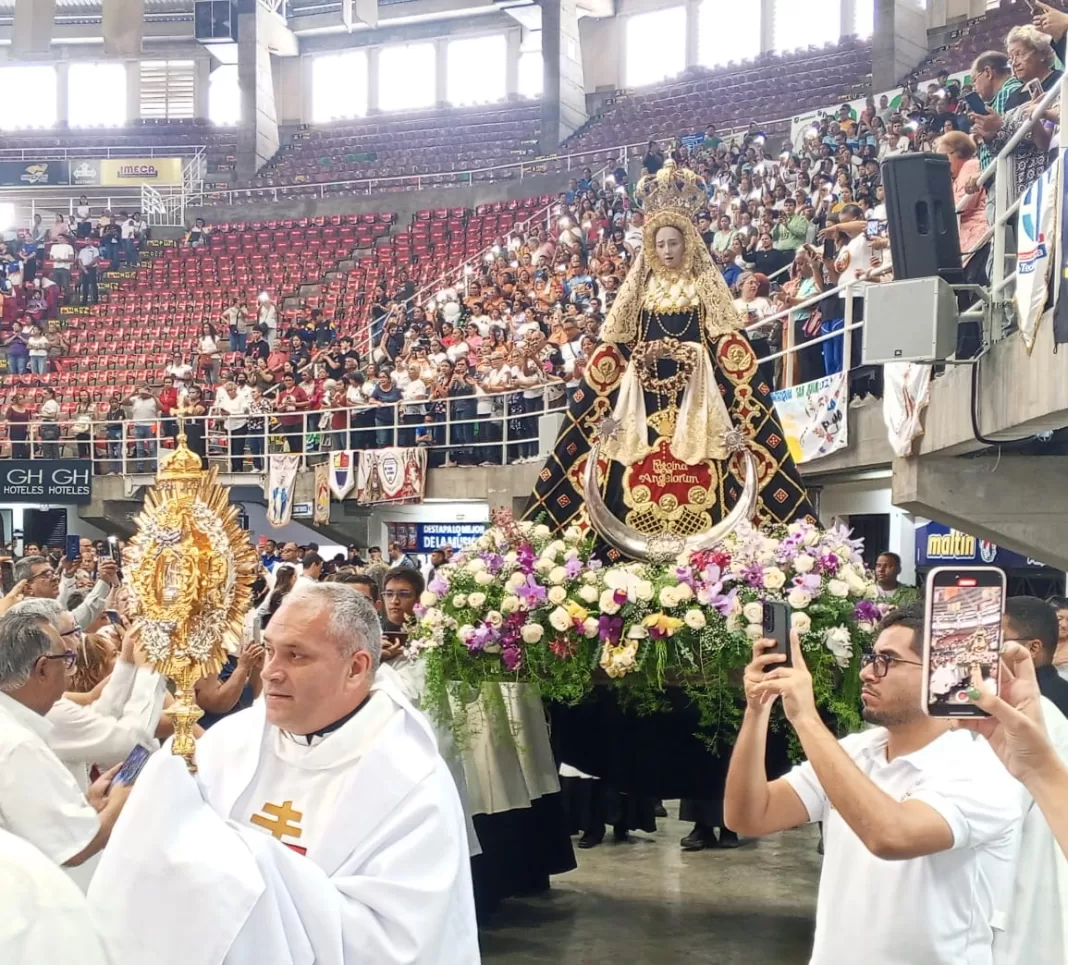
column 673, row 407
column 671, row 440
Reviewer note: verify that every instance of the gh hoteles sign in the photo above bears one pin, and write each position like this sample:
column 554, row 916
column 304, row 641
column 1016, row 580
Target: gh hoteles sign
column 60, row 482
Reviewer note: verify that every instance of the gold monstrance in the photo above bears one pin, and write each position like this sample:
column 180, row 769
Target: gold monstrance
column 191, row 569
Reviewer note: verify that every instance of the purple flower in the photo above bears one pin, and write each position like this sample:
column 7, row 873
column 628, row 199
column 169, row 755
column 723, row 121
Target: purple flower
column 808, row 581
column 610, row 629
column 573, row 567
column 867, row 612
column 494, row 562
column 530, row 593
column 712, row 574
column 714, row 597
column 829, row 564
column 684, row 574
column 438, row 586
column 483, row 635
column 511, row 657
column 753, row 574
column 620, row 596
column 525, row 558
column 419, row 610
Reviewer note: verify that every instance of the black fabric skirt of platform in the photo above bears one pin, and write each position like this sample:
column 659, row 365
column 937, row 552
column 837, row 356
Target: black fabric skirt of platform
column 655, row 755
column 521, row 849
column 591, row 805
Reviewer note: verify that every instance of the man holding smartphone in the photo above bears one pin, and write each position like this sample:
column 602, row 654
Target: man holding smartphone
column 915, row 813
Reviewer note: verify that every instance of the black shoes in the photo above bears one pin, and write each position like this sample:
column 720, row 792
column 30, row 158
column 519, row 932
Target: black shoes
column 659, row 811
column 590, row 839
column 701, row 837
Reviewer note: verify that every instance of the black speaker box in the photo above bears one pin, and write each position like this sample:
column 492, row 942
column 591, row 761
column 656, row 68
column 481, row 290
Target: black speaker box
column 921, row 217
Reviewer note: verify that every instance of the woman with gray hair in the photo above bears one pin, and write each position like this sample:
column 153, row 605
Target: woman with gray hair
column 1032, row 56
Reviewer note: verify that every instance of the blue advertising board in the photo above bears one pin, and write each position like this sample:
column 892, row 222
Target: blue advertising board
column 939, row 545
column 433, row 536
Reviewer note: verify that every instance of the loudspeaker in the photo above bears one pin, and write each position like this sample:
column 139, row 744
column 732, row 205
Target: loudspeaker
column 921, row 217
column 215, row 21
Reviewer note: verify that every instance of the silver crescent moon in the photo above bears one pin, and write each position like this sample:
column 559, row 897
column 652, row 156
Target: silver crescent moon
column 637, row 546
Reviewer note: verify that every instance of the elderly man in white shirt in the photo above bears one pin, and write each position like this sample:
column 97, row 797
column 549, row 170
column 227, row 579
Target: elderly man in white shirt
column 234, row 403
column 40, row 800
column 920, row 820
column 42, row 582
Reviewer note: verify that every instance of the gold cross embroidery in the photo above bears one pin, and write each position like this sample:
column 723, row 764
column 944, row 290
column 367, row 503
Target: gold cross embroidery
column 279, row 823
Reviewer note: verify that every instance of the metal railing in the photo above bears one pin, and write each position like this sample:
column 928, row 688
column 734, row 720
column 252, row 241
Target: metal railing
column 112, row 151
column 527, row 168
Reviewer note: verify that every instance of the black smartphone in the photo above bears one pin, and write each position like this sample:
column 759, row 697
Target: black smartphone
column 7, row 575
column 113, row 617
column 73, row 547
column 975, row 103
column 964, row 610
column 829, row 250
column 113, row 549
column 133, row 765
column 776, row 621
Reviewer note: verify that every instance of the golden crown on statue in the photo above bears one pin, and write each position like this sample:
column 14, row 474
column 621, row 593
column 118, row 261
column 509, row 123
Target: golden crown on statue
column 672, row 187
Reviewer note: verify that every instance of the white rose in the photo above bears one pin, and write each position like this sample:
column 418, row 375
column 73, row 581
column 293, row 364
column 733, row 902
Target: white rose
column 694, row 619
column 459, row 601
column 801, row 622
column 607, row 603
column 668, row 597
column 573, row 534
column 549, row 553
column 531, row 632
column 733, row 623
column 812, row 537
column 541, row 531
column 525, row 527
column 754, row 613
column 774, row 578
column 588, row 594
column 643, row 590
column 433, row 618
column 838, row 588
column 591, row 627
column 557, row 595
column 484, row 542
column 804, row 563
column 684, row 592
column 856, row 582
column 493, row 618
column 510, row 557
column 560, row 619
column 482, row 578
column 872, row 592
column 477, row 600
column 510, row 604
column 798, row 598
column 428, row 599
column 557, row 575
column 475, row 566
column 590, row 576
column 543, row 565
column 754, row 631
column 558, row 546
column 466, row 632
column 517, row 579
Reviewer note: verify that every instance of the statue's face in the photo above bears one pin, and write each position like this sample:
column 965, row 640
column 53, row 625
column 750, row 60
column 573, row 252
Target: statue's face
column 670, row 247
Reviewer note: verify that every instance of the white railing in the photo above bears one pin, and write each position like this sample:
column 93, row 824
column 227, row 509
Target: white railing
column 527, row 168
column 53, row 153
column 164, row 206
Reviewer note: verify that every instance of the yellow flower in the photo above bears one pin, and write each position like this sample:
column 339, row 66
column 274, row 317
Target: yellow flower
column 661, row 625
column 577, row 612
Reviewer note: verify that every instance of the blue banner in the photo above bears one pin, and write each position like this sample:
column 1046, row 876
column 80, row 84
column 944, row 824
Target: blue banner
column 938, row 545
column 436, row 536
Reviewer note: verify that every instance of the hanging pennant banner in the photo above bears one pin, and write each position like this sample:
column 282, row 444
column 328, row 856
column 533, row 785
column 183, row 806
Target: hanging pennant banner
column 321, row 512
column 813, row 417
column 391, row 476
column 906, row 394
column 342, row 473
column 281, row 481
column 1036, row 253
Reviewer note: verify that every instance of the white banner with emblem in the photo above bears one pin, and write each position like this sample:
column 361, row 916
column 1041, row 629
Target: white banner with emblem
column 391, row 476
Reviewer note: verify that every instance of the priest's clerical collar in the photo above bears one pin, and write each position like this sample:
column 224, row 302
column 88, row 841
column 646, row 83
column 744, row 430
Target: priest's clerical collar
column 323, row 732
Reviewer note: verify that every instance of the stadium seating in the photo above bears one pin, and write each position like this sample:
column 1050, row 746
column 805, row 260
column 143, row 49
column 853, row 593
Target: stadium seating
column 971, row 39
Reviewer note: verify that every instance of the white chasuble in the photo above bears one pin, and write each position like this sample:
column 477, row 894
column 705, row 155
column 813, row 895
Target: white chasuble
column 351, row 851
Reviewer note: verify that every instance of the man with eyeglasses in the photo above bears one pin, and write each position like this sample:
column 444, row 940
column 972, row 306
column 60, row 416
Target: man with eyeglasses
column 920, row 820
column 402, row 588
column 40, row 800
column 43, row 582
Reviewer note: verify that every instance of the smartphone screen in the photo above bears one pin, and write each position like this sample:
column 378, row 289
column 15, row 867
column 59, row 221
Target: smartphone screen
column 113, row 617
column 776, row 622
column 964, row 610
column 975, row 103
column 133, row 765
column 73, row 547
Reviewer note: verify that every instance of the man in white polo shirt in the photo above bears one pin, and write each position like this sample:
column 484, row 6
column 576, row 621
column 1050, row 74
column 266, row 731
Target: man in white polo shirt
column 920, row 820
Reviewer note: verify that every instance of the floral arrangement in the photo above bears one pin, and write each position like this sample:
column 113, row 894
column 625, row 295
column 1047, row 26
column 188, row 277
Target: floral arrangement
column 524, row 605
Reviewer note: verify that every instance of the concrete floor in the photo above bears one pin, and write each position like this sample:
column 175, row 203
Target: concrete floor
column 648, row 902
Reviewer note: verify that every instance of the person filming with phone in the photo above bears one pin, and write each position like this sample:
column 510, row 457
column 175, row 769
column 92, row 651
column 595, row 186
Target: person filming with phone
column 919, row 818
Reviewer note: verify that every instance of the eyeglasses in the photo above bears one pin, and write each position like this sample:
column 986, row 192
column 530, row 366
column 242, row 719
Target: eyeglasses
column 398, row 594
column 880, row 663
column 70, row 657
column 44, row 574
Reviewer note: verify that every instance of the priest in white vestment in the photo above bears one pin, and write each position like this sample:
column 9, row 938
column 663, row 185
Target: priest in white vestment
column 322, row 826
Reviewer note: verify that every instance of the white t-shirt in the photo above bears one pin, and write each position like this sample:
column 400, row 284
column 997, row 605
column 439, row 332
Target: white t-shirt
column 853, row 259
column 62, row 254
column 940, row 909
